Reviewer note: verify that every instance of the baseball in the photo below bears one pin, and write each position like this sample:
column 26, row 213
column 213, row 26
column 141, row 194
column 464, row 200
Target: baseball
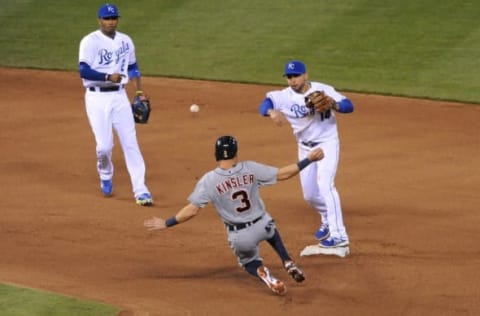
column 194, row 108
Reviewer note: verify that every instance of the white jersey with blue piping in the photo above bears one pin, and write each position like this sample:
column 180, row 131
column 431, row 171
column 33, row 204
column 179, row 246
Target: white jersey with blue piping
column 107, row 55
column 307, row 124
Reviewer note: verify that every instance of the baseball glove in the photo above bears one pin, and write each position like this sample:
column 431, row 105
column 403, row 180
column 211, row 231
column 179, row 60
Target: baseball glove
column 319, row 101
column 141, row 109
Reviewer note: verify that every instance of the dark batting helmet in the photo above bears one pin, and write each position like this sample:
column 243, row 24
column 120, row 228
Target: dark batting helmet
column 225, row 148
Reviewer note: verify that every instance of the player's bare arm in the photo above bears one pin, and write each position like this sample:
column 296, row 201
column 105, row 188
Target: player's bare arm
column 267, row 109
column 291, row 170
column 185, row 214
column 277, row 117
column 138, row 83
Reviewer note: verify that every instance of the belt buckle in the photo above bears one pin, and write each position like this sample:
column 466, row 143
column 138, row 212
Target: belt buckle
column 310, row 144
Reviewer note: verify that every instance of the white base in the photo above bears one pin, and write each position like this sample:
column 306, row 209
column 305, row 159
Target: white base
column 317, row 250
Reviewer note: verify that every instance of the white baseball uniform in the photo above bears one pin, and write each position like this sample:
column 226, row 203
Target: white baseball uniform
column 108, row 106
column 312, row 130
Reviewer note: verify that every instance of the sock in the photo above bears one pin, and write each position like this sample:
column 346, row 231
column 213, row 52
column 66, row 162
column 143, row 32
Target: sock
column 252, row 267
column 277, row 244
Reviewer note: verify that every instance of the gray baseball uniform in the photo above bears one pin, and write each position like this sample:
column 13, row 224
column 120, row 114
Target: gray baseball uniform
column 236, row 197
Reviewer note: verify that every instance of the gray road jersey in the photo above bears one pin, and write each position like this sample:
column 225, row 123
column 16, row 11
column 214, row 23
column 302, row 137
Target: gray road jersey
column 235, row 192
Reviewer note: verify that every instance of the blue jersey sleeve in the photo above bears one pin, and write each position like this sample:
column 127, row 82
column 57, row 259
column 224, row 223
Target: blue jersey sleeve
column 133, row 71
column 266, row 105
column 88, row 73
column 345, row 106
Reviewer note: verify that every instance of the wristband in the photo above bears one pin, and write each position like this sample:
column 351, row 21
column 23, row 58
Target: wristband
column 303, row 163
column 107, row 77
column 172, row 221
column 138, row 92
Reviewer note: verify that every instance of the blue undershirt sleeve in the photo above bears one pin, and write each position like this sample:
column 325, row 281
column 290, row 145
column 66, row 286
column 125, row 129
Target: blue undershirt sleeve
column 266, row 105
column 88, row 73
column 133, row 71
column 345, row 106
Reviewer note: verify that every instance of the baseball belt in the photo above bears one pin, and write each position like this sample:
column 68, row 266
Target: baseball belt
column 310, row 144
column 106, row 89
column 234, row 227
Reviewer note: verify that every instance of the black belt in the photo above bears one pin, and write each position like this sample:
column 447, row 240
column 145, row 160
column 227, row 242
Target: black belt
column 310, row 144
column 106, row 89
column 232, row 227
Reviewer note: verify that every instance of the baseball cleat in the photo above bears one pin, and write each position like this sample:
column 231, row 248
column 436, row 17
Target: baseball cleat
column 275, row 285
column 294, row 271
column 107, row 187
column 333, row 242
column 144, row 199
column 322, row 233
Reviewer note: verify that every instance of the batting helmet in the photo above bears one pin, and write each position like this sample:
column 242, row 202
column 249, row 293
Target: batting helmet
column 225, row 148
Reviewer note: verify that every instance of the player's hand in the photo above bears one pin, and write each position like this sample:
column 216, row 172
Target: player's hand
column 142, row 95
column 316, row 154
column 155, row 223
column 277, row 117
column 116, row 77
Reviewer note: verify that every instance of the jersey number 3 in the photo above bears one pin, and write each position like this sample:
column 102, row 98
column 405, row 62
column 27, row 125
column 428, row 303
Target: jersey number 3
column 243, row 197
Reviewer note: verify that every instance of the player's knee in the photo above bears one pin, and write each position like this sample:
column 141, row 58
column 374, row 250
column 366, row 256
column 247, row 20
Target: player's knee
column 103, row 159
column 317, row 201
column 310, row 197
column 245, row 248
column 327, row 190
column 103, row 152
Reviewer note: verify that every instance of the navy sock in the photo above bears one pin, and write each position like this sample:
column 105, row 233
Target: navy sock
column 252, row 267
column 277, row 244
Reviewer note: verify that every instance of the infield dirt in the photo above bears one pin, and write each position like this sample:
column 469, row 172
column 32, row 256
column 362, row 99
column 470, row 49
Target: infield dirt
column 408, row 179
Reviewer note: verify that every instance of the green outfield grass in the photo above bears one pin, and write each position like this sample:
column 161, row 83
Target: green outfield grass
column 427, row 48
column 19, row 301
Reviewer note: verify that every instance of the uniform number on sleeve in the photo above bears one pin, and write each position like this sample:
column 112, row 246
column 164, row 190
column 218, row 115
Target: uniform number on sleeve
column 242, row 196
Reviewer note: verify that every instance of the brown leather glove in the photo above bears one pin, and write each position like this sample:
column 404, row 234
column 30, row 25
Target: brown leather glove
column 319, row 101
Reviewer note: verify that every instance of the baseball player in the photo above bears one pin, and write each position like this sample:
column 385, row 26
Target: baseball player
column 233, row 187
column 106, row 62
column 314, row 128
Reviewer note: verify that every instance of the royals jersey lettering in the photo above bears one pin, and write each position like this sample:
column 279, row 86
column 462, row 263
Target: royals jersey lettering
column 106, row 54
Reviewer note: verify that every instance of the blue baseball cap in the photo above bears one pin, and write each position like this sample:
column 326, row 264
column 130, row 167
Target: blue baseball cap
column 108, row 11
column 295, row 67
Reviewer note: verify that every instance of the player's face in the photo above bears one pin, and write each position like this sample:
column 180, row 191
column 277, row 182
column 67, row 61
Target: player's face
column 298, row 83
column 108, row 25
